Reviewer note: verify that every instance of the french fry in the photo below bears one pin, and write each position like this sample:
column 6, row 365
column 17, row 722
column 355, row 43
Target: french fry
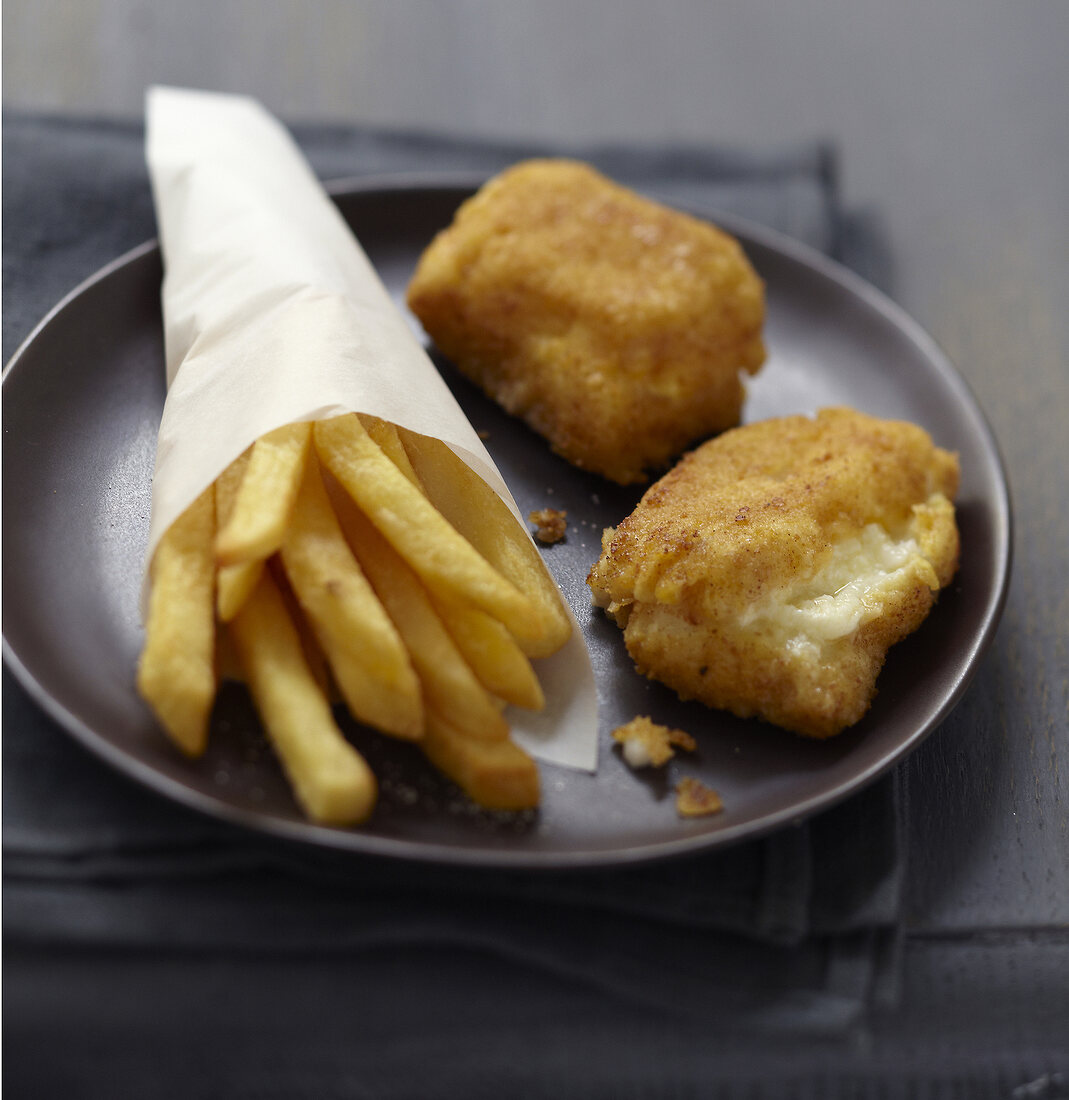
column 443, row 560
column 484, row 520
column 325, row 550
column 314, row 656
column 498, row 775
column 498, row 662
column 331, row 780
column 176, row 671
column 233, row 583
column 448, row 683
column 386, row 436
column 487, row 646
column 257, row 523
column 363, row 648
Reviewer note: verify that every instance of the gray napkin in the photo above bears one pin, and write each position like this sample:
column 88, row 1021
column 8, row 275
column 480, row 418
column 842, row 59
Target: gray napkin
column 793, row 933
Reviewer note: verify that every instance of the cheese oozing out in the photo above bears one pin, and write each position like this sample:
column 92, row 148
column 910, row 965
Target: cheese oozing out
column 852, row 586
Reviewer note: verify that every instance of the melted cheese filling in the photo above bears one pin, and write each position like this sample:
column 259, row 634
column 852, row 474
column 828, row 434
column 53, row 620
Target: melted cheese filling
column 850, row 588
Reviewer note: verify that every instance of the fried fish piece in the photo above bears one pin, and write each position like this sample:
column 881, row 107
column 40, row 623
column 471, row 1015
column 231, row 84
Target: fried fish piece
column 770, row 571
column 615, row 327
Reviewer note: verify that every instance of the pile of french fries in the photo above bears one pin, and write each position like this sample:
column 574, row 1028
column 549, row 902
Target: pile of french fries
column 349, row 559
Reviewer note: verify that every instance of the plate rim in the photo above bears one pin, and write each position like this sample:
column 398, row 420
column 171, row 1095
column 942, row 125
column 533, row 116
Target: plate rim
column 356, row 843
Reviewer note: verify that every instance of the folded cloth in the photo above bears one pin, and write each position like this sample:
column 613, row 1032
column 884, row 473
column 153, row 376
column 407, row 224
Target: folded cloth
column 795, row 933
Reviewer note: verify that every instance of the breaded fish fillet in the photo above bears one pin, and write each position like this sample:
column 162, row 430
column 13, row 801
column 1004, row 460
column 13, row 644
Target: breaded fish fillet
column 615, row 327
column 769, row 572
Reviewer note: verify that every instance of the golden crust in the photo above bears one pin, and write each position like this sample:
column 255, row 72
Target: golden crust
column 615, row 327
column 769, row 572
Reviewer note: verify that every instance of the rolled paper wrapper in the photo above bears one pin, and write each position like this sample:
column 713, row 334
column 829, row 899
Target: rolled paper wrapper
column 274, row 314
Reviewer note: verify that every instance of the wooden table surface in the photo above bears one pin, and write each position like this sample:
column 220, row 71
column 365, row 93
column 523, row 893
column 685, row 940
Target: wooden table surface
column 951, row 118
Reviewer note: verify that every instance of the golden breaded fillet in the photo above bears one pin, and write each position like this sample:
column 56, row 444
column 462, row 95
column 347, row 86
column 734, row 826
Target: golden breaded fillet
column 615, row 327
column 769, row 572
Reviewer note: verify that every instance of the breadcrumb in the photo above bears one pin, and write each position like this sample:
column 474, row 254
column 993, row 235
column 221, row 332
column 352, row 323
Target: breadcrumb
column 695, row 799
column 550, row 524
column 647, row 744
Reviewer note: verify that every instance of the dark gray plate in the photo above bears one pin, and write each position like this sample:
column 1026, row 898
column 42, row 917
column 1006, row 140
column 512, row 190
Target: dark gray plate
column 83, row 399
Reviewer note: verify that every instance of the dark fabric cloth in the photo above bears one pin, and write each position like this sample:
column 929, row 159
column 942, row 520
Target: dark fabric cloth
column 794, row 933
column 69, row 821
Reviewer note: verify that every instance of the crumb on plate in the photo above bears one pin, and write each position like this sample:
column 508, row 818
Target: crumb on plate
column 550, row 524
column 646, row 744
column 695, row 799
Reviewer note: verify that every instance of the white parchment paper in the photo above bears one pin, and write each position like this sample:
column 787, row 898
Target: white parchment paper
column 273, row 314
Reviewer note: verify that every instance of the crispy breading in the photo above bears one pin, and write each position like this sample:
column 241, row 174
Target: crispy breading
column 616, row 327
column 647, row 744
column 770, row 571
column 551, row 524
column 695, row 799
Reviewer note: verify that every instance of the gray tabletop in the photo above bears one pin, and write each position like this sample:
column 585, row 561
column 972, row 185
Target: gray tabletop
column 949, row 120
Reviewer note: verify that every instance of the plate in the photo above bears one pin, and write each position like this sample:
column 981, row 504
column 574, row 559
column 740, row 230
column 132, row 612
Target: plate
column 83, row 398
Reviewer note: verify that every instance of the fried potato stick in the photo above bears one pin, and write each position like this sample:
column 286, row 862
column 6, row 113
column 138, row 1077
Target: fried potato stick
column 365, row 652
column 444, row 560
column 498, row 775
column 495, row 658
column 484, row 520
column 233, row 583
column 387, row 437
column 176, row 671
column 314, row 656
column 331, row 780
column 257, row 523
column 449, row 685
column 492, row 653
